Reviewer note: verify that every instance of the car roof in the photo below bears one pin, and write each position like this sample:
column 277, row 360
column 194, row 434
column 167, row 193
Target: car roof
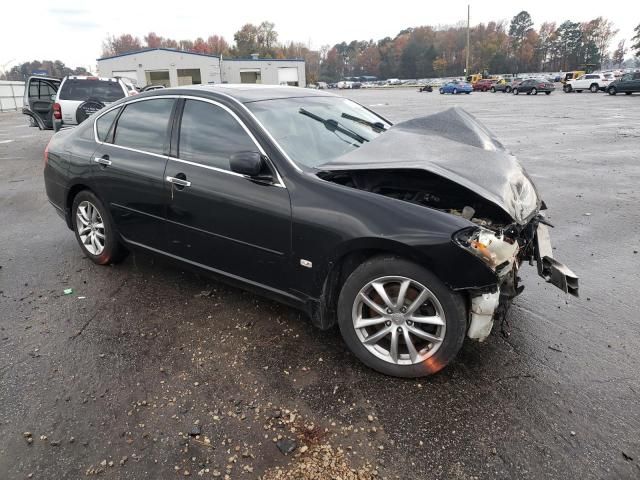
column 246, row 93
column 93, row 77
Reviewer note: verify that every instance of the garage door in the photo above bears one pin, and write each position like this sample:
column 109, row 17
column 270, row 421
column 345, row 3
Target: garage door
column 288, row 76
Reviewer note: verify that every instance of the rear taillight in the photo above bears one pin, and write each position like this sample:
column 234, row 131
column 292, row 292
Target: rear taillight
column 57, row 111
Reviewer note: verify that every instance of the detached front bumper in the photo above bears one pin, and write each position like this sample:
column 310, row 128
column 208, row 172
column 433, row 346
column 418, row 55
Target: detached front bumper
column 549, row 268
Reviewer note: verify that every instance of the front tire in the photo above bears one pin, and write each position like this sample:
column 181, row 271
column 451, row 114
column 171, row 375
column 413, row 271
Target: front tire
column 455, row 91
column 441, row 91
column 612, row 90
column 400, row 319
column 94, row 230
column 534, row 91
column 508, row 89
column 515, row 91
column 493, row 89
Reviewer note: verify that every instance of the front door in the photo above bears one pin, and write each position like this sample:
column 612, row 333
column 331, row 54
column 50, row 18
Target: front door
column 128, row 168
column 217, row 218
column 40, row 97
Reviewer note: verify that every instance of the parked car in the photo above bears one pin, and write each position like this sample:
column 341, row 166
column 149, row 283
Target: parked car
column 593, row 82
column 80, row 96
column 628, row 83
column 483, row 85
column 39, row 97
column 505, row 85
column 310, row 198
column 456, row 87
column 533, row 87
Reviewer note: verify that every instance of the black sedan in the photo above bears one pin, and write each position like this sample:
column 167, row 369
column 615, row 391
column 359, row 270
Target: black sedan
column 533, row 87
column 408, row 236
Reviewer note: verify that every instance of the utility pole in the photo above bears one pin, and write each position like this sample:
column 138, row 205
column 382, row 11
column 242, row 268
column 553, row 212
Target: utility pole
column 466, row 69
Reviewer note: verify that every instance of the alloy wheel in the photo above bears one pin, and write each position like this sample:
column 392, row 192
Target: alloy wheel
column 90, row 227
column 398, row 320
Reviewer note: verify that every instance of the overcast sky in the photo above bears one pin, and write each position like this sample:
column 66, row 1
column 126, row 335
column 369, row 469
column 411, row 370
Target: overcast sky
column 73, row 31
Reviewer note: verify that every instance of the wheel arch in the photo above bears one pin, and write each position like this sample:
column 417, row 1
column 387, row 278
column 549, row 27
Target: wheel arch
column 346, row 260
column 439, row 259
column 74, row 190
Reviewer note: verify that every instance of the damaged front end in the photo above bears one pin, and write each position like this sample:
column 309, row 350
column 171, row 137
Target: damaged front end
column 504, row 251
column 450, row 162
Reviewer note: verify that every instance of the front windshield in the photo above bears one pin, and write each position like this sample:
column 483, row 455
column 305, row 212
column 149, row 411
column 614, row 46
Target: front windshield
column 317, row 130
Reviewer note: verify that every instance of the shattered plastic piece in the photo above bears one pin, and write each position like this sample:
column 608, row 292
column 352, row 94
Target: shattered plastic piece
column 482, row 309
column 68, row 291
column 286, row 445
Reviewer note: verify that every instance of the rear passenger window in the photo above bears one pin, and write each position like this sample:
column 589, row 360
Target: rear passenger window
column 210, row 135
column 103, row 124
column 143, row 125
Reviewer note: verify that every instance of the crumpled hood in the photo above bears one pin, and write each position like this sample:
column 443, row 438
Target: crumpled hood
column 454, row 145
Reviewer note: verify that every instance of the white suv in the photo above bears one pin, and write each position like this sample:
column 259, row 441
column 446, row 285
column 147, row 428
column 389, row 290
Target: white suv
column 79, row 97
column 590, row 81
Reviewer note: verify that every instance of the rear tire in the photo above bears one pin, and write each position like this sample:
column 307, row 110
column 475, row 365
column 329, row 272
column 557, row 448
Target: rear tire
column 547, row 93
column 567, row 89
column 441, row 91
column 455, row 91
column 594, row 88
column 390, row 272
column 628, row 93
column 515, row 91
column 493, row 89
column 508, row 89
column 95, row 232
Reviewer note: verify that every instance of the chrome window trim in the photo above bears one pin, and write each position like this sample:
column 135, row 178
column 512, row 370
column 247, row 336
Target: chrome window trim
column 280, row 183
column 264, row 130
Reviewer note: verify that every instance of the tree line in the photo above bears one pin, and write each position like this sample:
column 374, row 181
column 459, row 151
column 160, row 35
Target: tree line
column 418, row 52
column 497, row 47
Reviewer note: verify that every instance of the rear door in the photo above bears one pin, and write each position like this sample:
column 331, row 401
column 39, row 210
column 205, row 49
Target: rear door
column 220, row 219
column 128, row 168
column 636, row 82
column 39, row 98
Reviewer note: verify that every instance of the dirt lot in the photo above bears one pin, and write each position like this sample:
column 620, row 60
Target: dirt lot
column 148, row 371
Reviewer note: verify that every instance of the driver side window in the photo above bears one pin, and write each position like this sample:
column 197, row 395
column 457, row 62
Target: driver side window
column 209, row 135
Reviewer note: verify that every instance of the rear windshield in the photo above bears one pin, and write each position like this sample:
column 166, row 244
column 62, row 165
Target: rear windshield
column 102, row 90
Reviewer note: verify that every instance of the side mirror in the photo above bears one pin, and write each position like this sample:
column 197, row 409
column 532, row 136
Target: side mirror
column 246, row 163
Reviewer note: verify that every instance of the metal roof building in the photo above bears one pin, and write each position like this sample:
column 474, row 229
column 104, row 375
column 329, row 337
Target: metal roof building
column 172, row 68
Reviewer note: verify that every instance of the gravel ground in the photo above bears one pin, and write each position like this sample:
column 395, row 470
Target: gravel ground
column 149, row 371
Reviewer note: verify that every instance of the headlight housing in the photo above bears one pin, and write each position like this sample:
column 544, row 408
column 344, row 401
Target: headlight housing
column 496, row 250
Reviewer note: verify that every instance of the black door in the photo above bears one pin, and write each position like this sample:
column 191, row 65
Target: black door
column 218, row 218
column 128, row 168
column 40, row 93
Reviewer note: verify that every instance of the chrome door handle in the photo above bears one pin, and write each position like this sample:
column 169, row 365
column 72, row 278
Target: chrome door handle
column 179, row 181
column 102, row 161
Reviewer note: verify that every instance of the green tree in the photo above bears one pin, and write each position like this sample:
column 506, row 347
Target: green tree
column 636, row 42
column 246, row 40
column 618, row 54
column 519, row 30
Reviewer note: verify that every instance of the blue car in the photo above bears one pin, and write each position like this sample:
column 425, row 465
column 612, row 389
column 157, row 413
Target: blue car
column 456, row 87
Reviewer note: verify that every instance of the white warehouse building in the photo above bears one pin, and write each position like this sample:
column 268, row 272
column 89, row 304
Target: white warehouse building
column 172, row 68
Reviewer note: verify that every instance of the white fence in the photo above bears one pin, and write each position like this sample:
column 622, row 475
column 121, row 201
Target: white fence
column 11, row 94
